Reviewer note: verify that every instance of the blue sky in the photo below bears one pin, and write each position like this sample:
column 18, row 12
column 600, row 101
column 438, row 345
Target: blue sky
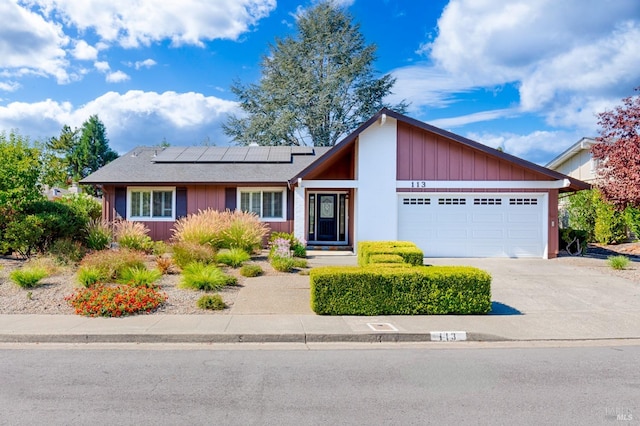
column 527, row 75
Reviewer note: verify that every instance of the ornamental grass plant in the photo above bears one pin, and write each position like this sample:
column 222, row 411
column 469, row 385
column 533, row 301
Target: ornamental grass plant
column 132, row 235
column 139, row 276
column 234, row 257
column 109, row 264
column 98, row 234
column 186, row 252
column 200, row 276
column 28, row 276
column 204, row 227
column 618, row 262
column 243, row 230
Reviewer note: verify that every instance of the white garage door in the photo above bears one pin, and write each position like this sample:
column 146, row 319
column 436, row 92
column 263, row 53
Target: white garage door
column 474, row 225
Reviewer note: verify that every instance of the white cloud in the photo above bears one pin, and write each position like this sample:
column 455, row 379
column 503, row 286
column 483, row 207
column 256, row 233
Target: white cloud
column 133, row 118
column 102, row 66
column 84, row 51
column 477, row 117
column 117, row 77
column 147, row 63
column 142, row 22
column 539, row 147
column 9, row 86
column 566, row 58
column 31, row 45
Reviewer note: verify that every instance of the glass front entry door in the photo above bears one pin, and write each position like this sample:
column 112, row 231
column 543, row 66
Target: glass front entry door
column 327, row 217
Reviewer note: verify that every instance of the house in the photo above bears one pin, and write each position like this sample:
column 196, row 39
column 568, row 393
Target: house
column 576, row 161
column 393, row 178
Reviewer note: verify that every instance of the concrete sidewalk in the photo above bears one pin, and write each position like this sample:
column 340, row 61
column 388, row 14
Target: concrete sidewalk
column 533, row 300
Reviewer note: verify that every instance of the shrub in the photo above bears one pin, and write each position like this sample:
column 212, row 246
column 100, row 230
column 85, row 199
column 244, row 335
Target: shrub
column 385, row 258
column 28, row 277
column 409, row 252
column 111, row 263
column 164, row 264
column 296, row 246
column 23, row 235
column 618, row 262
column 132, row 235
column 212, row 302
column 610, row 224
column 98, row 234
column 204, row 227
column 115, row 301
column 186, row 252
column 280, row 247
column 582, row 212
column 200, row 276
column 67, row 251
column 84, row 204
column 159, row 248
column 234, row 257
column 244, row 230
column 283, row 264
column 88, row 276
column 251, row 270
column 139, row 277
column 411, row 290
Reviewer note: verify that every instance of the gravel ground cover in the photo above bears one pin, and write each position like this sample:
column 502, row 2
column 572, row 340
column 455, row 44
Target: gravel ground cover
column 49, row 298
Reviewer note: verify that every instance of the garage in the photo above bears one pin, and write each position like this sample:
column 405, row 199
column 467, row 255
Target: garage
column 474, row 224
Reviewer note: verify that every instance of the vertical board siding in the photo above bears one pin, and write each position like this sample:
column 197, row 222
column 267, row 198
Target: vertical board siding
column 423, row 155
column 203, row 197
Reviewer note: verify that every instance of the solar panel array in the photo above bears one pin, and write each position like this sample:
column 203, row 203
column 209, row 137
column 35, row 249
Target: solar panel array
column 231, row 154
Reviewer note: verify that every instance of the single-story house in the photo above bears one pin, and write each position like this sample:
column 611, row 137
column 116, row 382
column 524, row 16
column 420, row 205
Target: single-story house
column 576, row 161
column 393, row 178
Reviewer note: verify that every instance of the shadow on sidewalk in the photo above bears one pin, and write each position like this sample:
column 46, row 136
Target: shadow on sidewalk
column 498, row 308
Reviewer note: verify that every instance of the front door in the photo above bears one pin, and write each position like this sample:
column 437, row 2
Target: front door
column 327, row 208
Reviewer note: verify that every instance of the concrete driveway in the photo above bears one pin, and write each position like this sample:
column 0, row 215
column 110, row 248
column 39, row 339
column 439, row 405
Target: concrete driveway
column 563, row 298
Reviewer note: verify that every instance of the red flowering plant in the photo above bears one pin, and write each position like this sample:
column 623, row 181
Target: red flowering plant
column 115, row 300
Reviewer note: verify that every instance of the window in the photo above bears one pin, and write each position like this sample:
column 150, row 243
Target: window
column 267, row 203
column 152, row 204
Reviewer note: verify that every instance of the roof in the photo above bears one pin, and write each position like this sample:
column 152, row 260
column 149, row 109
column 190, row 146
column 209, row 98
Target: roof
column 252, row 164
column 575, row 184
column 582, row 144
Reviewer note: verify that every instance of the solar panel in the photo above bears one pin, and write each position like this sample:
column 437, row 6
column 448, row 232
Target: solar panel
column 191, row 154
column 235, row 154
column 169, row 154
column 257, row 154
column 280, row 154
column 213, row 155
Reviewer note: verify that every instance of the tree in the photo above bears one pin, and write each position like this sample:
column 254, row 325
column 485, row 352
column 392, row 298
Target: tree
column 92, row 150
column 618, row 154
column 315, row 87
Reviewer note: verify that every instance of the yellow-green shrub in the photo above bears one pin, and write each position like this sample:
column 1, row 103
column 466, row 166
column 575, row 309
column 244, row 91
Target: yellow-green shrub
column 406, row 290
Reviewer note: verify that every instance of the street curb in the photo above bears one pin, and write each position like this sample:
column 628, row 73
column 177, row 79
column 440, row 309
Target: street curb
column 236, row 338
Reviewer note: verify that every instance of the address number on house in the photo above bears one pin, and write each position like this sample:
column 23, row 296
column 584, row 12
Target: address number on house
column 418, row 183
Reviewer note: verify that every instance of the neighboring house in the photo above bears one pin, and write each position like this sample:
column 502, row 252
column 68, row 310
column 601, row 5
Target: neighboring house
column 576, row 162
column 393, row 178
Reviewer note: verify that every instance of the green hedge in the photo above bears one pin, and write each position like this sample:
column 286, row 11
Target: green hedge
column 385, row 258
column 409, row 252
column 417, row 290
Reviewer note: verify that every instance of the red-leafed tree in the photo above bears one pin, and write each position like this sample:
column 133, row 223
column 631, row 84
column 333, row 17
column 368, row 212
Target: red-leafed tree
column 618, row 154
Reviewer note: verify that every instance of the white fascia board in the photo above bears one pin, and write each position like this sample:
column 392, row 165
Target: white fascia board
column 330, row 184
column 482, row 184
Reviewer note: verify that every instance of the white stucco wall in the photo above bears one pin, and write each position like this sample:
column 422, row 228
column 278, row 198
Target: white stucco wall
column 376, row 215
column 299, row 214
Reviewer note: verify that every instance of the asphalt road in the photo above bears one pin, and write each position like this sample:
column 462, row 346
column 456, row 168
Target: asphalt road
column 383, row 385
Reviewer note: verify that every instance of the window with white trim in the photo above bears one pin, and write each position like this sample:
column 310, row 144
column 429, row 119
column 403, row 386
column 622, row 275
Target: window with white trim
column 267, row 203
column 151, row 204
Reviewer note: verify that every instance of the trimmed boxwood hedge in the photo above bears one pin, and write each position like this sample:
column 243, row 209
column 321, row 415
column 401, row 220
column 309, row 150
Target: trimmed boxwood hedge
column 410, row 290
column 409, row 252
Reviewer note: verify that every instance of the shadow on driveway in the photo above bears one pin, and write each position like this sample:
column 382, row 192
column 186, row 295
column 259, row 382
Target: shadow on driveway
column 498, row 308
